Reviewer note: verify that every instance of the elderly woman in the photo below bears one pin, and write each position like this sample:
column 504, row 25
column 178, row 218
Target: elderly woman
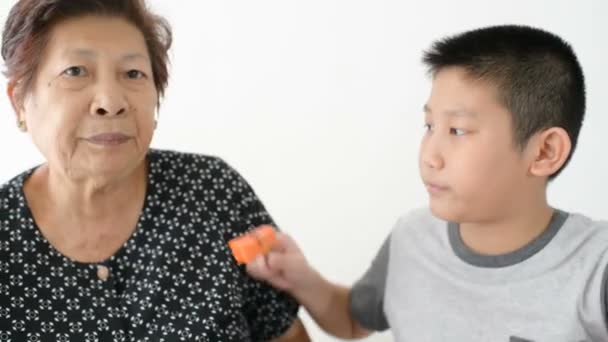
column 110, row 240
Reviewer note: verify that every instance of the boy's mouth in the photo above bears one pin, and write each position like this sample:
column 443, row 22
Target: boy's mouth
column 434, row 188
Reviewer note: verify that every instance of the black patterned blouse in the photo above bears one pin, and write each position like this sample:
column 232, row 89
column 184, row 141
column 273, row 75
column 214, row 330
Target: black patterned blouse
column 173, row 280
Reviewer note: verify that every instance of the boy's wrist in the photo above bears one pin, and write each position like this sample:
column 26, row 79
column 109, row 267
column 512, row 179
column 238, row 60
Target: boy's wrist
column 317, row 290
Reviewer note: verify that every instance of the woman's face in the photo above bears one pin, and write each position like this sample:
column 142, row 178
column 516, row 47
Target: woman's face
column 90, row 110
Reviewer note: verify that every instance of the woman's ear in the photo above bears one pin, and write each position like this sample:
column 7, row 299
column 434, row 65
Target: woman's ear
column 551, row 149
column 12, row 92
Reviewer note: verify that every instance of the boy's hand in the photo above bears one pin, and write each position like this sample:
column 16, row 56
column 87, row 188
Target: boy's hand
column 284, row 267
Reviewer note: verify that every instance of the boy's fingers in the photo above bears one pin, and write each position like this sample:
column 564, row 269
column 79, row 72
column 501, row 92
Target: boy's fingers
column 280, row 262
column 286, row 244
column 258, row 268
column 279, row 282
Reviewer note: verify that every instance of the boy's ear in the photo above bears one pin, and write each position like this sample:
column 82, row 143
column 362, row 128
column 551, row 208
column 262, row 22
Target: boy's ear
column 550, row 149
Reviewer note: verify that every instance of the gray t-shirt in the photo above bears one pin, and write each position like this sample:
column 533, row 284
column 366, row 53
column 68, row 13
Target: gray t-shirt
column 425, row 284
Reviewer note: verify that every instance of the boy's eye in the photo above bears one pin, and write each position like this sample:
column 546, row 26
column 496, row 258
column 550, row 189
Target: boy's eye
column 457, row 131
column 75, row 71
column 428, row 127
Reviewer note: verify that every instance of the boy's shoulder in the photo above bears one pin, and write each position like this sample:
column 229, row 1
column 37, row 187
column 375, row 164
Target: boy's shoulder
column 575, row 223
column 574, row 231
column 582, row 221
column 419, row 225
column 417, row 217
column 580, row 230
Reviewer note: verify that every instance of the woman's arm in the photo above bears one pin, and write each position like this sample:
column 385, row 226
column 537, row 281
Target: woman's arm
column 296, row 333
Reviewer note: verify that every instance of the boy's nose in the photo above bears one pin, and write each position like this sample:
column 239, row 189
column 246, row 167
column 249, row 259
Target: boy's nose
column 433, row 162
column 430, row 154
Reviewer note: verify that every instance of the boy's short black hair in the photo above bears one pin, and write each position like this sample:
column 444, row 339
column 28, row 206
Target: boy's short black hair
column 537, row 74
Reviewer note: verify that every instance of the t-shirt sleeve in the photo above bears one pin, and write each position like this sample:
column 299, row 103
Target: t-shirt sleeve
column 367, row 294
column 604, row 299
column 593, row 316
column 269, row 312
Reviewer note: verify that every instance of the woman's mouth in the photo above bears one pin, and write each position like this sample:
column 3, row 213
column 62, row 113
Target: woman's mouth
column 108, row 139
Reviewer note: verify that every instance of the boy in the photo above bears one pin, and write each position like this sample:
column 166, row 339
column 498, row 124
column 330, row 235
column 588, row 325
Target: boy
column 491, row 260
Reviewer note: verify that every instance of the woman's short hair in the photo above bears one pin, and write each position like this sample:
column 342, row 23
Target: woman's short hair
column 29, row 22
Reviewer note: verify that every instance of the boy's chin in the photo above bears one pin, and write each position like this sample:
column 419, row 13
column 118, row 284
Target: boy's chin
column 446, row 212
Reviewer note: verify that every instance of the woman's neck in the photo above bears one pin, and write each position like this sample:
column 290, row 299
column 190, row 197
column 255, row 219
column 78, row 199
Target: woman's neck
column 88, row 219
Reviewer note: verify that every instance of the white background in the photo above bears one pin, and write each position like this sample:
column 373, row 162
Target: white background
column 318, row 104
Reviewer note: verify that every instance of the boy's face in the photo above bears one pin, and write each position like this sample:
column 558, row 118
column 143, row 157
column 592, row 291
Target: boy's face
column 469, row 162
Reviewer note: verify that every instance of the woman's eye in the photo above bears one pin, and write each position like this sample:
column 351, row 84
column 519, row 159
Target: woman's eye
column 457, row 131
column 75, row 71
column 135, row 74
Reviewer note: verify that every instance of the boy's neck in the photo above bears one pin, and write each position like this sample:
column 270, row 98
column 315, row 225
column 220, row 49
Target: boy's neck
column 509, row 233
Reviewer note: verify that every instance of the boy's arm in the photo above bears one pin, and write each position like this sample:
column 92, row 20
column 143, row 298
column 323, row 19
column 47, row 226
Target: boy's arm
column 330, row 305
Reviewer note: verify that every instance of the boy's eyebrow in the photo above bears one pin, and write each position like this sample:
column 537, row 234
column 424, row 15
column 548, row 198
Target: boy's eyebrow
column 458, row 112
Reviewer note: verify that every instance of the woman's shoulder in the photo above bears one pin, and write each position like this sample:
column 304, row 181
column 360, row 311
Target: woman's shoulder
column 13, row 187
column 11, row 199
column 181, row 159
column 186, row 168
column 180, row 162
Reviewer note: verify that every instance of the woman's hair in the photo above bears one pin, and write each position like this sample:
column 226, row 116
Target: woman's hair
column 29, row 22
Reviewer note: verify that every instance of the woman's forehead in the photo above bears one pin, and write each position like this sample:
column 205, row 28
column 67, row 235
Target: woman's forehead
column 92, row 36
